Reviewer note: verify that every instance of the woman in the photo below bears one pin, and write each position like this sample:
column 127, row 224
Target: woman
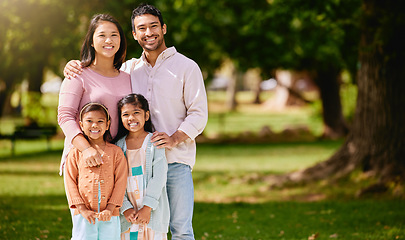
column 102, row 54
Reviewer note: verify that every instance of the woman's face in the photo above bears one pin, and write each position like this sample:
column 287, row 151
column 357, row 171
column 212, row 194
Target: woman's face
column 106, row 40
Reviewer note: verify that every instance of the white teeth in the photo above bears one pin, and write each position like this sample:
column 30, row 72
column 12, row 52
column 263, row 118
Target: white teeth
column 133, row 124
column 109, row 47
column 92, row 131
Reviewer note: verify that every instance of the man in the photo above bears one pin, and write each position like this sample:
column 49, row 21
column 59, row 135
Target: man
column 174, row 87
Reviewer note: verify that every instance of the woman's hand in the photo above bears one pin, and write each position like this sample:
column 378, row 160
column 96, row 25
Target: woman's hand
column 92, row 157
column 72, row 69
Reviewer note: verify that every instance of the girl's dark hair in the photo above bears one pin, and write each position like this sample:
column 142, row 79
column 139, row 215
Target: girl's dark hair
column 90, row 107
column 146, row 9
column 138, row 100
column 88, row 54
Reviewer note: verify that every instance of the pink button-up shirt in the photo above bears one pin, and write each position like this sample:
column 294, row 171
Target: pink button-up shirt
column 175, row 90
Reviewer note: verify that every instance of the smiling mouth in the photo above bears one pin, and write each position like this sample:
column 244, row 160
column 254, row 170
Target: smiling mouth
column 151, row 39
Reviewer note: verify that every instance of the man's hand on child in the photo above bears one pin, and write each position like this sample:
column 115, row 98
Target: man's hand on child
column 72, row 68
column 143, row 215
column 130, row 215
column 162, row 140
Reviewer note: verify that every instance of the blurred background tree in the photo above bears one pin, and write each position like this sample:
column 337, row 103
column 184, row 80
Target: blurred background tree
column 376, row 143
column 37, row 36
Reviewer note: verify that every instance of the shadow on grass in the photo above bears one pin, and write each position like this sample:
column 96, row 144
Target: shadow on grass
column 48, row 217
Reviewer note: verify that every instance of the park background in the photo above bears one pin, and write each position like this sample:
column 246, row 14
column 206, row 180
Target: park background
column 305, row 138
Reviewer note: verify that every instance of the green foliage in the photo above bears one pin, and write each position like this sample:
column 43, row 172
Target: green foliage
column 37, row 31
column 38, row 35
column 264, row 34
column 348, row 94
column 33, row 109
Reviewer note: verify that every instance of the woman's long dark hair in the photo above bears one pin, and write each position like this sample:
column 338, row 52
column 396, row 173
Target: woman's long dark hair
column 138, row 100
column 88, row 54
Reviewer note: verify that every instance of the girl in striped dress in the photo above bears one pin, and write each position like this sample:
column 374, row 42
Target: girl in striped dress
column 145, row 211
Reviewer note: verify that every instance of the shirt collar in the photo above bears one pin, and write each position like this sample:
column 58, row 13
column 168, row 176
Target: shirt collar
column 168, row 52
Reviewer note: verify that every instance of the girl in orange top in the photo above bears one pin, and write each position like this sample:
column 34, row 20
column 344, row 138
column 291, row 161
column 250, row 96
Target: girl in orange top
column 96, row 193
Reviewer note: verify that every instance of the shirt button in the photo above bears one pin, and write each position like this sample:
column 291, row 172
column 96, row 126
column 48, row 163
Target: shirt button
column 103, row 197
column 101, row 181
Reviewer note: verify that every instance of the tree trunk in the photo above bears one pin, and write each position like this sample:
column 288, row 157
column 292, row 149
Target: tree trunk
column 6, row 87
column 334, row 123
column 376, row 142
column 257, row 91
column 232, row 89
column 36, row 77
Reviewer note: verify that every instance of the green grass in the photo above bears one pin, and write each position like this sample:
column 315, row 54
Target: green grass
column 224, row 168
column 253, row 117
column 233, row 200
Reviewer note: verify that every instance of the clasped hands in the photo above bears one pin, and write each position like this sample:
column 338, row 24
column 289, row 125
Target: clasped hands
column 91, row 216
column 140, row 217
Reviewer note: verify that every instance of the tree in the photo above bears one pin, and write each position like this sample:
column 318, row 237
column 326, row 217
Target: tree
column 321, row 40
column 376, row 142
column 35, row 36
column 269, row 35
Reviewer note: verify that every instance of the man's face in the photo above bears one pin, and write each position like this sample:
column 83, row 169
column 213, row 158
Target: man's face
column 149, row 33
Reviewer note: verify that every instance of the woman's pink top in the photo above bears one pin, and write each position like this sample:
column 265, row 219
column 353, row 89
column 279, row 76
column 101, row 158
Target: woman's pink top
column 89, row 87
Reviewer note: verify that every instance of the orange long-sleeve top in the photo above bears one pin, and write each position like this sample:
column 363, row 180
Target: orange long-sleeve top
column 81, row 182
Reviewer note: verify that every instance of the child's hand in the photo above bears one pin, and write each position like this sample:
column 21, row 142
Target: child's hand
column 130, row 215
column 105, row 215
column 143, row 215
column 89, row 215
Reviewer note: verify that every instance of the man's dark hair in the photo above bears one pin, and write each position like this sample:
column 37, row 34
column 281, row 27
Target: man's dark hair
column 145, row 8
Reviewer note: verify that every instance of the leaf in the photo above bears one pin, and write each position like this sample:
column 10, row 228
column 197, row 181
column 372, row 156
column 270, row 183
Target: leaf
column 313, row 236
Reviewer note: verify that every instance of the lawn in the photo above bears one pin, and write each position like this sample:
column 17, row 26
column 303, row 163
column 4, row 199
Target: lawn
column 232, row 199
